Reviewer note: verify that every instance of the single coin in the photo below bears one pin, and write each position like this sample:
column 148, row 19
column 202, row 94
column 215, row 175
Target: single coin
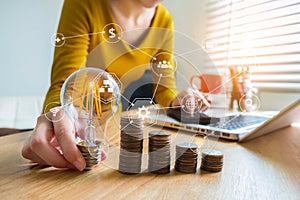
column 186, row 145
column 212, row 153
column 159, row 133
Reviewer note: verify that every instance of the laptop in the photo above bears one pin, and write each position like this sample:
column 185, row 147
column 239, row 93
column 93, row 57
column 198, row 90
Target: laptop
column 232, row 126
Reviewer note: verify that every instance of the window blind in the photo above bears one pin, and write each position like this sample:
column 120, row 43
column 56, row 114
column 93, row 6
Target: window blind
column 262, row 34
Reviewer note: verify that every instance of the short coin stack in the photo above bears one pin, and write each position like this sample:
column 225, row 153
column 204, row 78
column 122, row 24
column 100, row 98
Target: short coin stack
column 131, row 151
column 91, row 153
column 159, row 152
column 186, row 158
column 212, row 160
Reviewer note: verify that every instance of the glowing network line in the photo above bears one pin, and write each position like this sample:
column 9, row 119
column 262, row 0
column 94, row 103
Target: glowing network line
column 127, row 100
column 144, row 52
column 156, row 87
column 227, row 81
column 171, row 107
column 188, row 52
column 82, row 35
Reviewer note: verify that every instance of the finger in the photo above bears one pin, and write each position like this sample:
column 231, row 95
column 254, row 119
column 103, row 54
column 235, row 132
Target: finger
column 30, row 155
column 54, row 141
column 40, row 161
column 64, row 132
column 35, row 158
column 205, row 104
column 37, row 146
column 191, row 97
column 103, row 155
column 208, row 97
column 40, row 144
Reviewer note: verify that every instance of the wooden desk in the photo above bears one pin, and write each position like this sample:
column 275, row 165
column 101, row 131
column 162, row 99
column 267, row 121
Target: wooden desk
column 265, row 168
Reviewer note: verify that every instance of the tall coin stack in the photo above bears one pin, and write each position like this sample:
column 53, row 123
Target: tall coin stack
column 212, row 160
column 159, row 152
column 131, row 146
column 91, row 153
column 186, row 158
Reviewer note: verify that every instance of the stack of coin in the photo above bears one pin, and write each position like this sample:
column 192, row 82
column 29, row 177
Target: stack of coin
column 212, row 160
column 186, row 158
column 130, row 159
column 159, row 152
column 91, row 153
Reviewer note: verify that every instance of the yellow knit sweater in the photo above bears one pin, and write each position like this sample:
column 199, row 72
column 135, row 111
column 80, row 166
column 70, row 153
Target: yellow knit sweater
column 80, row 23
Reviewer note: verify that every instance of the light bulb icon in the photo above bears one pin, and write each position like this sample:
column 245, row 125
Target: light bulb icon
column 89, row 107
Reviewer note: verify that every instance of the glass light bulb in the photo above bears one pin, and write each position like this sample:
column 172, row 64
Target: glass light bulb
column 89, row 97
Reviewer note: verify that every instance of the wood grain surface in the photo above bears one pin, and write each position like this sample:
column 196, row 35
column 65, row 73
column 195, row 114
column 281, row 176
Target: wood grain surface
column 265, row 168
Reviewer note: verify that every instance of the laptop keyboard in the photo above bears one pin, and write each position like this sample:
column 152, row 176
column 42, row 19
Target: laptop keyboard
column 239, row 121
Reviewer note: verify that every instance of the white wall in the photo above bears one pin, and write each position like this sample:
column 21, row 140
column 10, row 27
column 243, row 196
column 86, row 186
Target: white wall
column 189, row 17
column 26, row 51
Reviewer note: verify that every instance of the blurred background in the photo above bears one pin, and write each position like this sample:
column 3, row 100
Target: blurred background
column 262, row 34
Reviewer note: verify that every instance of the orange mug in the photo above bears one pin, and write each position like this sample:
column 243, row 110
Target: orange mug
column 209, row 83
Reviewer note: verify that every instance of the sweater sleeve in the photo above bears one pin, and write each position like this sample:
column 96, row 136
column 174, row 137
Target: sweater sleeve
column 71, row 55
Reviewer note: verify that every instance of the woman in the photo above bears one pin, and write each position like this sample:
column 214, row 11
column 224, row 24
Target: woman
column 52, row 143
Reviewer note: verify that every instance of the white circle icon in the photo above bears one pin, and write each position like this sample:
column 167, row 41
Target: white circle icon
column 163, row 64
column 191, row 105
column 249, row 103
column 58, row 39
column 56, row 113
column 112, row 33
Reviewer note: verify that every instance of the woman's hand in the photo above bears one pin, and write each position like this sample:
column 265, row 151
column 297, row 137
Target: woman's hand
column 53, row 143
column 191, row 100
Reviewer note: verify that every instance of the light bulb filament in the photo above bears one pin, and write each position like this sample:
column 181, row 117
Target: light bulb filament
column 92, row 100
column 90, row 135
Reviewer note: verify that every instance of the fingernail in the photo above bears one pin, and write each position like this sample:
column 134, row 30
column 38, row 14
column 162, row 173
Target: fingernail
column 70, row 166
column 78, row 165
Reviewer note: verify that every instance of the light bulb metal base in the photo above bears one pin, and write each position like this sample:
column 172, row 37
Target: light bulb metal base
column 92, row 154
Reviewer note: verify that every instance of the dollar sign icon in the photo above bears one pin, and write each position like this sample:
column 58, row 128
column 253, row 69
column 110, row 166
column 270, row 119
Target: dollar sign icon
column 112, row 33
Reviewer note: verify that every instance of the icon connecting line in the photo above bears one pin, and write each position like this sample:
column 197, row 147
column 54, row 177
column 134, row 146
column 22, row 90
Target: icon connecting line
column 182, row 106
column 156, row 88
column 208, row 45
column 58, row 39
column 227, row 81
column 144, row 52
column 112, row 29
column 82, row 35
column 186, row 53
column 127, row 100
